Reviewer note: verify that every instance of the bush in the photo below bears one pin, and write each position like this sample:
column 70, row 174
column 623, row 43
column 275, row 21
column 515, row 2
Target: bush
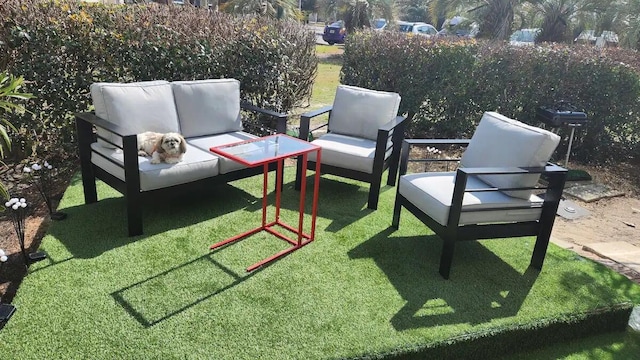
column 61, row 47
column 447, row 84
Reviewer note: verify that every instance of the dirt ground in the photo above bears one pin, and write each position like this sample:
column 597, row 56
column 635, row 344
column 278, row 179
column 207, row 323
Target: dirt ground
column 610, row 220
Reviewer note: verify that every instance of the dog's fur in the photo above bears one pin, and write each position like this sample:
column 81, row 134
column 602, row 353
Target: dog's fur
column 161, row 147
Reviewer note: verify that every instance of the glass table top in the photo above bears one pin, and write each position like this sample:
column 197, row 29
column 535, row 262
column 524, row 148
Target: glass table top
column 269, row 148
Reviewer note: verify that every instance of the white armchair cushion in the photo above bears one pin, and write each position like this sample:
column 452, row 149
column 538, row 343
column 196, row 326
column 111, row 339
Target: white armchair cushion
column 432, row 193
column 347, row 152
column 207, row 107
column 137, row 107
column 502, row 142
column 360, row 112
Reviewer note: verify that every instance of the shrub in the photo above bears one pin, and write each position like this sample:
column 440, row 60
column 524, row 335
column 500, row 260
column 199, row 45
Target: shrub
column 62, row 47
column 446, row 85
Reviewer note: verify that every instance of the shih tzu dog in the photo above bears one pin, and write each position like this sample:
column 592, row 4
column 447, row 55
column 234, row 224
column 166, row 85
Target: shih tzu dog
column 167, row 148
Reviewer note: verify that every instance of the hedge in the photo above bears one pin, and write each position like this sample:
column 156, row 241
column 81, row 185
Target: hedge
column 447, row 84
column 61, row 47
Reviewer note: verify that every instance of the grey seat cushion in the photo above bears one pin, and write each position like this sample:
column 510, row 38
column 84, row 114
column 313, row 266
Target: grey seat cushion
column 347, row 152
column 360, row 112
column 207, row 107
column 195, row 165
column 136, row 107
column 432, row 194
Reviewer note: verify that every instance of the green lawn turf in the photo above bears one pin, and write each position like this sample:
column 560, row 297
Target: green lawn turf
column 360, row 289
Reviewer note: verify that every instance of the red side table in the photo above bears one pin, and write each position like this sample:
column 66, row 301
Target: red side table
column 263, row 151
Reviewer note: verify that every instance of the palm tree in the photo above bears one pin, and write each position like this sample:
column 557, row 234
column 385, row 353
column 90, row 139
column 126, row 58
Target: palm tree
column 357, row 13
column 9, row 90
column 494, row 17
column 271, row 8
column 630, row 24
column 556, row 15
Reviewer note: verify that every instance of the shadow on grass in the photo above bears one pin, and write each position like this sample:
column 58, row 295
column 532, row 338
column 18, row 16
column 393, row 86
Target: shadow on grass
column 102, row 226
column 411, row 265
column 344, row 203
column 331, row 59
column 183, row 293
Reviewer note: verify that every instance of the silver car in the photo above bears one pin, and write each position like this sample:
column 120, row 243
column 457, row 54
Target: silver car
column 418, row 28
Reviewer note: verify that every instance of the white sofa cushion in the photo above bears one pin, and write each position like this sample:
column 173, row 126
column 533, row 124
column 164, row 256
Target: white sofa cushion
column 347, row 152
column 360, row 112
column 207, row 107
column 137, row 107
column 502, row 142
column 432, row 193
column 195, row 165
column 204, row 143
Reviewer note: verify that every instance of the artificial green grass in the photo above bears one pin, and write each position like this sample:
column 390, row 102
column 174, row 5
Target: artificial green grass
column 578, row 175
column 609, row 346
column 361, row 289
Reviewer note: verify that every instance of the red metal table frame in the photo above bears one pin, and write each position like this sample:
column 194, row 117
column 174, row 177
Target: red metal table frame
column 264, row 151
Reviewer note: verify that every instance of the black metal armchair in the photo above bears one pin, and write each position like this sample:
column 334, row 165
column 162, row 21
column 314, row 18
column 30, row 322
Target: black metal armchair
column 492, row 193
column 363, row 138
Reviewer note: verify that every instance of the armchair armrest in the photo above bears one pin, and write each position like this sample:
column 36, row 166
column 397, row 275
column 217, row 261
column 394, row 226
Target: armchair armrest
column 305, row 121
column 281, row 118
column 553, row 190
column 408, row 143
column 398, row 120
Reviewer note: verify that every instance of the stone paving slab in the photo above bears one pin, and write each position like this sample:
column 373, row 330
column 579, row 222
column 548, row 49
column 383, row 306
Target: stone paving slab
column 618, row 251
column 591, row 192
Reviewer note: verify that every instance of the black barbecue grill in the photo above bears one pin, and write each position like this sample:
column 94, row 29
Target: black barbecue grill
column 562, row 114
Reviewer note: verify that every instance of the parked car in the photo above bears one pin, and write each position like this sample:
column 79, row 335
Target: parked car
column 418, row 28
column 460, row 27
column 379, row 24
column 524, row 37
column 586, row 37
column 334, row 33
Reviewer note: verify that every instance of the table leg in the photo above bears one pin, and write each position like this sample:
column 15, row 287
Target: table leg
column 265, row 180
column 303, row 193
column 278, row 189
column 316, row 190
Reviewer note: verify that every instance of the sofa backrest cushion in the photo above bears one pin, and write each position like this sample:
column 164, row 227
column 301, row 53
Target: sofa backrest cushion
column 137, row 107
column 360, row 112
column 502, row 142
column 208, row 107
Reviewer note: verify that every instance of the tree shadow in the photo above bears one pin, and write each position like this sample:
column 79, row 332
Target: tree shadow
column 482, row 287
column 343, row 203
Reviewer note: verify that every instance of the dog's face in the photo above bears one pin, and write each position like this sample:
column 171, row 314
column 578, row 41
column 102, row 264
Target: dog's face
column 172, row 143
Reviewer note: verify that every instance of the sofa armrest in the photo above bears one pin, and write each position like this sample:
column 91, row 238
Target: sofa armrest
column 305, row 121
column 94, row 120
column 281, row 118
